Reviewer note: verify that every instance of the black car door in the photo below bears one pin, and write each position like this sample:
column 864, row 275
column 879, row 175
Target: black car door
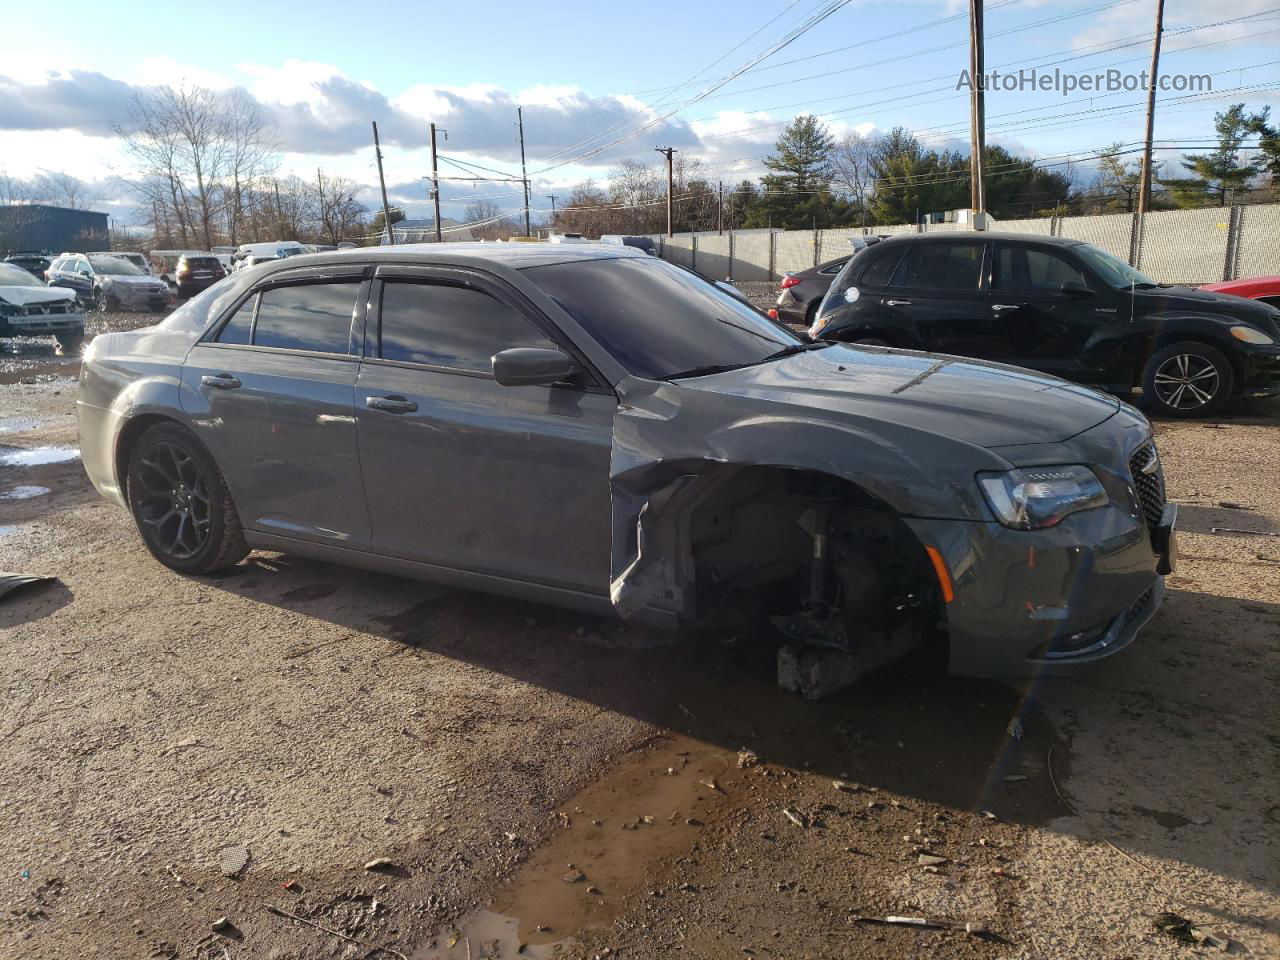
column 1047, row 308
column 936, row 297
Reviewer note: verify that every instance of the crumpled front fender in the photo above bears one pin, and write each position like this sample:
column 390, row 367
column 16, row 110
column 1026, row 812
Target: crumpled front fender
column 675, row 447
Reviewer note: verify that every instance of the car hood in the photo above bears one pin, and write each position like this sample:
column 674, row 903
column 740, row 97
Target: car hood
column 22, row 296
column 986, row 404
column 1226, row 306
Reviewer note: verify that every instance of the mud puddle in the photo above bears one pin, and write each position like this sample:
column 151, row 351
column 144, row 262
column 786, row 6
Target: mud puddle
column 38, row 456
column 24, row 492
column 613, row 837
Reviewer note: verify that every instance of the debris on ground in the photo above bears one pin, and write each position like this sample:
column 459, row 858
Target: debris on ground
column 1252, row 533
column 182, row 745
column 1186, row 931
column 747, row 759
column 1015, row 729
column 799, row 819
column 222, row 925
column 923, row 923
column 9, row 582
column 574, row 876
column 1015, row 778
column 380, row 863
column 931, row 860
column 232, row 860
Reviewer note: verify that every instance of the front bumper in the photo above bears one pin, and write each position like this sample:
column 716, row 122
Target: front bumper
column 1045, row 602
column 138, row 297
column 1261, row 371
column 42, row 326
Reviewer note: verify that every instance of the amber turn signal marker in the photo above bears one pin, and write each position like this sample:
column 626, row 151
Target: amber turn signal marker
column 944, row 578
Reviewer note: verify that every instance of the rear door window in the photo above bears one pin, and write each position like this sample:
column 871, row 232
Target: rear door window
column 314, row 317
column 941, row 266
column 447, row 325
column 880, row 269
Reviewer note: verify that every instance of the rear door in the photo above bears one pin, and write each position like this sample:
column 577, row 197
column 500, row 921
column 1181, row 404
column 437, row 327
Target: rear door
column 270, row 391
column 461, row 471
column 937, row 297
column 1045, row 327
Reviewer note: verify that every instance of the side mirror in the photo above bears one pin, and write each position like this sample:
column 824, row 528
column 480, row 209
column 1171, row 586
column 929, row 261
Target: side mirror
column 527, row 366
column 1075, row 288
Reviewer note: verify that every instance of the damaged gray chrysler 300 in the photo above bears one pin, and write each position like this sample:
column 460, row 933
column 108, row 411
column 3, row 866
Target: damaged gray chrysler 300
column 592, row 427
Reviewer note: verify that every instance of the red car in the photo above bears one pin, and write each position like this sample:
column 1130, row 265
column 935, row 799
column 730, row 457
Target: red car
column 1266, row 289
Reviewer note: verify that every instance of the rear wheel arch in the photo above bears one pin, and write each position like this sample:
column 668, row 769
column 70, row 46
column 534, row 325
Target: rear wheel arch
column 129, row 436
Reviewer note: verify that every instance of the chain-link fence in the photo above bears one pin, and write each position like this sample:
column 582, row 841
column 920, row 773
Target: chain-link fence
column 1170, row 246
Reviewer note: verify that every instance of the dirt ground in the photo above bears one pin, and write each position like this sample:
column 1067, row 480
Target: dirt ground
column 178, row 752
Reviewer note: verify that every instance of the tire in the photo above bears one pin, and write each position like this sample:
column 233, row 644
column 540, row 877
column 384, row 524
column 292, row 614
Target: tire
column 181, row 504
column 70, row 342
column 1187, row 379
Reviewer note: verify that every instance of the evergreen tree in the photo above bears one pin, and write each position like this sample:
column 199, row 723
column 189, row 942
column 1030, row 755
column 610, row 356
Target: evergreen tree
column 798, row 191
column 1217, row 175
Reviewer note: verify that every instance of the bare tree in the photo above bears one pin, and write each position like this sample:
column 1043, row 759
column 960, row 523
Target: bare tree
column 489, row 217
column 852, row 166
column 338, row 211
column 13, row 191
column 64, row 190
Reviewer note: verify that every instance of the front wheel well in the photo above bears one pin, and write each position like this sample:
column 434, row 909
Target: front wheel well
column 1223, row 346
column 822, row 558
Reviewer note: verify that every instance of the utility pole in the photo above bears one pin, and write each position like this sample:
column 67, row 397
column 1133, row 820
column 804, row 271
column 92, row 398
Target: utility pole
column 324, row 217
column 435, row 184
column 1144, row 188
column 524, row 173
column 720, row 210
column 553, row 198
column 279, row 209
column 667, row 152
column 382, row 182
column 977, row 114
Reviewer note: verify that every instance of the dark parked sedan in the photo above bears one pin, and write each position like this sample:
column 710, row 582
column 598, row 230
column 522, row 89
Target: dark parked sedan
column 194, row 274
column 801, row 293
column 1059, row 306
column 592, row 427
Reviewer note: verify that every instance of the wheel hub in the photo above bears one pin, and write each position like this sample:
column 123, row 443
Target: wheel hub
column 1186, row 381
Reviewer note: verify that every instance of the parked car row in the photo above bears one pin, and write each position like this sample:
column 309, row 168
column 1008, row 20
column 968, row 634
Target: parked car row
column 1054, row 305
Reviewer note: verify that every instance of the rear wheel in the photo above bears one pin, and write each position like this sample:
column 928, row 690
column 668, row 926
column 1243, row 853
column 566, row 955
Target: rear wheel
column 1187, row 379
column 181, row 504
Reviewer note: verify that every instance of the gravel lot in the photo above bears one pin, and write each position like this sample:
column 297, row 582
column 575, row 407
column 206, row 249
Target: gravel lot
column 584, row 779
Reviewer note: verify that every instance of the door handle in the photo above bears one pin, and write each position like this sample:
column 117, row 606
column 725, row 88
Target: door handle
column 898, row 303
column 1004, row 306
column 391, row 404
column 223, row 381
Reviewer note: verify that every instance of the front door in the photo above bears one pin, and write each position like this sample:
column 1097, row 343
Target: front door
column 1046, row 309
column 270, row 394
column 462, row 472
column 936, row 296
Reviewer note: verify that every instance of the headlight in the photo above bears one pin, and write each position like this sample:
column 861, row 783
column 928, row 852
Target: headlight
column 1037, row 497
column 818, row 323
column 1250, row 335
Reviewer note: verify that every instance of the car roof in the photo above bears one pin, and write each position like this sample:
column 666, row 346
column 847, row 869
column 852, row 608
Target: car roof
column 943, row 237
column 517, row 256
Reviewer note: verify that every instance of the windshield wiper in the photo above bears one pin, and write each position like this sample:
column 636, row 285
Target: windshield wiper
column 797, row 348
column 706, row 371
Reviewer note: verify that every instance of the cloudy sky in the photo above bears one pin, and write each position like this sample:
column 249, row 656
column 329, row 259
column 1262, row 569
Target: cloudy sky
column 591, row 73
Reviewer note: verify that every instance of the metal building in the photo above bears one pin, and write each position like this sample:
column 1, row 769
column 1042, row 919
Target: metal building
column 35, row 226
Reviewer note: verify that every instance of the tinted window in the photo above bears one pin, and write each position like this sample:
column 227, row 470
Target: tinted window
column 240, row 326
column 202, row 263
column 1038, row 271
column 834, row 268
column 880, row 269
column 658, row 320
column 114, row 266
column 940, row 266
column 14, row 276
column 450, row 326
column 314, row 316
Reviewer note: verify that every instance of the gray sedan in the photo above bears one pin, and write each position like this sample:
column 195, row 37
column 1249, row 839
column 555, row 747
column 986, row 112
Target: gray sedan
column 591, row 427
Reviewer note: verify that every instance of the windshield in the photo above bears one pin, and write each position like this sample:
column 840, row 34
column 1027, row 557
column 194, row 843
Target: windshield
column 1112, row 269
column 11, row 276
column 658, row 320
column 114, row 266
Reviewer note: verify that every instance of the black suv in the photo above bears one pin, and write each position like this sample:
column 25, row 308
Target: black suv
column 1060, row 306
column 32, row 261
